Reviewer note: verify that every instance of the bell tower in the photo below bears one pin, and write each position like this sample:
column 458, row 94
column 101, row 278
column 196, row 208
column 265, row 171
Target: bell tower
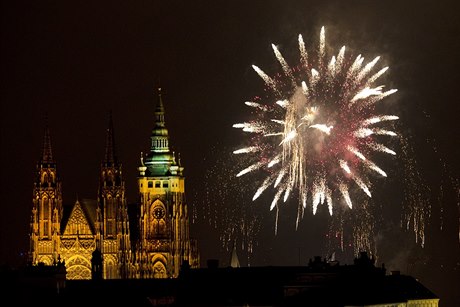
column 46, row 210
column 163, row 215
column 112, row 225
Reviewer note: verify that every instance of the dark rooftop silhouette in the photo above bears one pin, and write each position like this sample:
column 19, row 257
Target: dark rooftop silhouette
column 320, row 283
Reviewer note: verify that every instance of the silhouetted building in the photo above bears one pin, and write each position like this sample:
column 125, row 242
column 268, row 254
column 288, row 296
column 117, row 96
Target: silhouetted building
column 96, row 265
column 320, row 283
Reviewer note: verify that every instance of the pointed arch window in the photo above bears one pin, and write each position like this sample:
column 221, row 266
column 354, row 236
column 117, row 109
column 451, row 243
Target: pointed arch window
column 45, row 216
column 110, row 211
column 45, row 179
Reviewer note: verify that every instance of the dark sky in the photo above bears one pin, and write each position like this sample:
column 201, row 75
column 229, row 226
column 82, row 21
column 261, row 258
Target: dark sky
column 73, row 62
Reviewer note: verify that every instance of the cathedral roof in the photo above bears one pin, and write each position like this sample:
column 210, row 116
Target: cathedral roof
column 88, row 208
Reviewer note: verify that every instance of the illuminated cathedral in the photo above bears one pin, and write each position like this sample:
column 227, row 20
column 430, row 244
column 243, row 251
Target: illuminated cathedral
column 94, row 239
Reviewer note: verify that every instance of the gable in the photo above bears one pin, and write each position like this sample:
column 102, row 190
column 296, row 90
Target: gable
column 78, row 222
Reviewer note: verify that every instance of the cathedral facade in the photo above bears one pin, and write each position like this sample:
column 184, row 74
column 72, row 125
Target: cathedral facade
column 95, row 237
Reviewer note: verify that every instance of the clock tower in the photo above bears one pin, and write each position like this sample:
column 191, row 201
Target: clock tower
column 165, row 242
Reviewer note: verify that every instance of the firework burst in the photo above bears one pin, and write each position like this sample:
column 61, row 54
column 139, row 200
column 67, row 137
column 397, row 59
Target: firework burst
column 318, row 129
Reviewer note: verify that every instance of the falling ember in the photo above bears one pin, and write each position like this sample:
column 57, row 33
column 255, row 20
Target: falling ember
column 344, row 165
column 377, row 75
column 382, row 148
column 378, row 119
column 323, row 128
column 265, row 77
column 286, row 68
column 344, row 189
column 239, row 223
column 249, row 127
column 246, row 150
column 262, row 188
column 256, row 105
column 292, row 134
column 249, row 169
column 319, row 128
column 365, row 93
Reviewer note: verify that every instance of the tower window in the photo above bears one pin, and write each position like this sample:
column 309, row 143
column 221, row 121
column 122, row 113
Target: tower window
column 150, row 184
column 165, row 184
column 157, row 184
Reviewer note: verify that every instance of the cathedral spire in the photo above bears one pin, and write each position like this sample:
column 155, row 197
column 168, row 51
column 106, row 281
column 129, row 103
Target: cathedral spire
column 159, row 138
column 160, row 158
column 47, row 207
column 47, row 156
column 109, row 157
column 159, row 112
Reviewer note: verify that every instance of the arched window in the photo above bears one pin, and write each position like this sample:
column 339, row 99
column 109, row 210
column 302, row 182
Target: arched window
column 110, row 215
column 45, row 216
column 45, row 179
column 159, row 270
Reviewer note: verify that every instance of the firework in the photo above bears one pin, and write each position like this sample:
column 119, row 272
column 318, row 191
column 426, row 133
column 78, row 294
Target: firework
column 318, row 129
column 224, row 205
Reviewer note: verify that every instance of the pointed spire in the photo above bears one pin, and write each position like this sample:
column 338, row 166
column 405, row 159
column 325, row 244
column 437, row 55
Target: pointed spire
column 110, row 143
column 160, row 158
column 159, row 137
column 47, row 156
column 234, row 261
column 159, row 111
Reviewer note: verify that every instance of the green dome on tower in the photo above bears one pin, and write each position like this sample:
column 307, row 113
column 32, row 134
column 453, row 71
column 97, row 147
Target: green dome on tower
column 160, row 161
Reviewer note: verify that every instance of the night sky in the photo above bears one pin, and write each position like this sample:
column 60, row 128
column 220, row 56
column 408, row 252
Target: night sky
column 73, row 63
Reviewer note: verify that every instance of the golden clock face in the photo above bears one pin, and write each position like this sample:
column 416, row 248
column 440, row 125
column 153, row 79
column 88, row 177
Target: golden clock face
column 158, row 213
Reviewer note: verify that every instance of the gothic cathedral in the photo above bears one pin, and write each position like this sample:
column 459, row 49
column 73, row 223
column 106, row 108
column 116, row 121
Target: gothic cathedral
column 94, row 239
